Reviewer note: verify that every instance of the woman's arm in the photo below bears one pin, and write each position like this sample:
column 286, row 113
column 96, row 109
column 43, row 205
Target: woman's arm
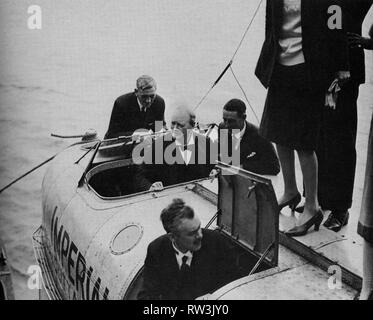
column 355, row 40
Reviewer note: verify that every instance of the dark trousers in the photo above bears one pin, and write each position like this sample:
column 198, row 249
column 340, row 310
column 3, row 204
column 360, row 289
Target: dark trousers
column 336, row 151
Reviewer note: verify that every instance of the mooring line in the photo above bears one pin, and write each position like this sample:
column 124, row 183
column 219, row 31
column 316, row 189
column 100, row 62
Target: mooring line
column 244, row 93
column 229, row 65
column 27, row 173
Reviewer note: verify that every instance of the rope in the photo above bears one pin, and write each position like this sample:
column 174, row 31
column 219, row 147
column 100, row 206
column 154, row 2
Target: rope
column 66, row 137
column 231, row 61
column 247, row 29
column 244, row 93
column 215, row 83
column 27, row 173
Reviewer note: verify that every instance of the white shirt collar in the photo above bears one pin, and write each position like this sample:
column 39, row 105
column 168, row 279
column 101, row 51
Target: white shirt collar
column 240, row 134
column 179, row 256
column 139, row 103
column 186, row 153
column 190, row 141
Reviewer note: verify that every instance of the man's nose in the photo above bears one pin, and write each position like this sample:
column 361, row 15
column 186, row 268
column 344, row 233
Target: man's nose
column 199, row 234
column 227, row 124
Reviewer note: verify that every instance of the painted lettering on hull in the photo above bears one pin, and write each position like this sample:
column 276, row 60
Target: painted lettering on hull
column 81, row 277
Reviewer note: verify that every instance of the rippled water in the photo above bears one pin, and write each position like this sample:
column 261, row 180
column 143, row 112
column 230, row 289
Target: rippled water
column 65, row 77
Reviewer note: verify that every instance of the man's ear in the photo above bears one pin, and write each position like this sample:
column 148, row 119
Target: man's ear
column 170, row 236
column 244, row 116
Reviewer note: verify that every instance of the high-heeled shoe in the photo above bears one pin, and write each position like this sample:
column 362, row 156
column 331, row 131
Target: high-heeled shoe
column 302, row 229
column 292, row 203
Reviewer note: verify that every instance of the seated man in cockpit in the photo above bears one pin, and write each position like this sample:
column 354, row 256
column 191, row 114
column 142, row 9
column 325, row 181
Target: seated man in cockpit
column 180, row 155
column 188, row 262
column 256, row 154
column 136, row 110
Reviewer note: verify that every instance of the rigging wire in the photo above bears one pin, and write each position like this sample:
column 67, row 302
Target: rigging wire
column 27, row 173
column 247, row 30
column 244, row 93
column 229, row 66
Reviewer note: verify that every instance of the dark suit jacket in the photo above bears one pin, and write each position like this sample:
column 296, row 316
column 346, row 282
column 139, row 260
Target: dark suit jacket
column 354, row 12
column 199, row 166
column 325, row 50
column 256, row 153
column 127, row 118
column 212, row 266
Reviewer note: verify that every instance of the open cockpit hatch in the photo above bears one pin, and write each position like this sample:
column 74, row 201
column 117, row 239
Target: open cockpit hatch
column 111, row 169
column 249, row 218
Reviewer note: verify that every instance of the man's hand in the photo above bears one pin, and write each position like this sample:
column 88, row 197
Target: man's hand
column 156, row 186
column 343, row 77
column 141, row 135
column 213, row 174
column 357, row 41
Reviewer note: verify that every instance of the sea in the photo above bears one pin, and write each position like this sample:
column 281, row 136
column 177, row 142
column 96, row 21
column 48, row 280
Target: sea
column 63, row 63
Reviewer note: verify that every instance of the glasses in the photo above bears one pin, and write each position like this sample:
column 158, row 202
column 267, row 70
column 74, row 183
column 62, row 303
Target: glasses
column 147, row 96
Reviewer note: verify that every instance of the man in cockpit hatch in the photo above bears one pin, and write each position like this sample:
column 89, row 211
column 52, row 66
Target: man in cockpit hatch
column 140, row 109
column 180, row 155
column 188, row 262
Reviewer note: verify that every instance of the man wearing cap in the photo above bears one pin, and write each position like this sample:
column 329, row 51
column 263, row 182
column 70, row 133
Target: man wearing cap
column 136, row 110
column 188, row 262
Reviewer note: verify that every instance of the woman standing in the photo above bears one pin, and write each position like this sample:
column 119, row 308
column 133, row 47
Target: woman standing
column 365, row 225
column 304, row 50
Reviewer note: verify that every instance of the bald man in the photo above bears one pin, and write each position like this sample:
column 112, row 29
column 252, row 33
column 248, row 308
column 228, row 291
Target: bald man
column 181, row 155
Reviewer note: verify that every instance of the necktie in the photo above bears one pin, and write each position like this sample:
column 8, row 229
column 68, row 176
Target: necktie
column 185, row 283
column 143, row 114
column 184, row 266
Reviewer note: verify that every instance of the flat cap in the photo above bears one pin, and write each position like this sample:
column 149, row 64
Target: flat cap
column 146, row 85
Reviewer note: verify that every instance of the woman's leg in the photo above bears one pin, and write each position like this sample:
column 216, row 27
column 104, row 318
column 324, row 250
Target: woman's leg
column 308, row 163
column 286, row 157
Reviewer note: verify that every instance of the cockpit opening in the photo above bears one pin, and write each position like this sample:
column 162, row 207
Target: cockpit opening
column 244, row 262
column 114, row 179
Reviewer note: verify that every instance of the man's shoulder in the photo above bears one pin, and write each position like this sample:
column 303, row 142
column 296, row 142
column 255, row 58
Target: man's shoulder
column 253, row 136
column 158, row 101
column 251, row 129
column 159, row 244
column 126, row 97
column 212, row 236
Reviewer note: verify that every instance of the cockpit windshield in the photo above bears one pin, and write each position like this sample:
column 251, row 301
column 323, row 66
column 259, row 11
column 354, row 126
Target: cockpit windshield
column 116, row 170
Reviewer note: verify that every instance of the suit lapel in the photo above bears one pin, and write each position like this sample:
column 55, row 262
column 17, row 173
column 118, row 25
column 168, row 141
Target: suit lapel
column 246, row 144
column 171, row 257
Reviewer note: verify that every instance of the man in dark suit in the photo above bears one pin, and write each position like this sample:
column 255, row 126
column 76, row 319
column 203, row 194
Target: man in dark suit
column 256, row 153
column 137, row 110
column 336, row 150
column 181, row 155
column 188, row 262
